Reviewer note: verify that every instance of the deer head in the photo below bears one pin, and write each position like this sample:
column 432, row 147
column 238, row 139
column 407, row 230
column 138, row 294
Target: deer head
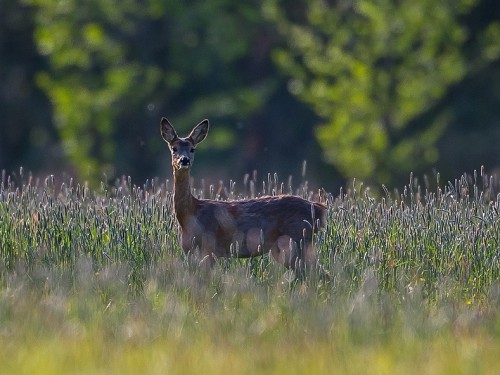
column 182, row 149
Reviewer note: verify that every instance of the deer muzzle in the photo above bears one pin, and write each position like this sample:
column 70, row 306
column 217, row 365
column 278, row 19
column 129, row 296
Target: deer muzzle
column 184, row 162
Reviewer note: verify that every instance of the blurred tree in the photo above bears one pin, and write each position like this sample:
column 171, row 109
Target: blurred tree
column 472, row 138
column 92, row 76
column 26, row 131
column 374, row 70
column 117, row 66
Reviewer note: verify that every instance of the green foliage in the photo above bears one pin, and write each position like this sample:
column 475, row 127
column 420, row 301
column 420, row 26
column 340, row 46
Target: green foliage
column 116, row 66
column 84, row 84
column 374, row 70
column 91, row 74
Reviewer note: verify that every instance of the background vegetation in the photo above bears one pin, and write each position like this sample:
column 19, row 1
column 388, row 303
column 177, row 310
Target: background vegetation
column 367, row 89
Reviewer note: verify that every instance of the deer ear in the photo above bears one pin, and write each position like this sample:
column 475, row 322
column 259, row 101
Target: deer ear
column 199, row 132
column 167, row 130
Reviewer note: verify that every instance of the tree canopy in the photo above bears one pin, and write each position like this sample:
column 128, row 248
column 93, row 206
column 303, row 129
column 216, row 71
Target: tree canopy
column 373, row 70
column 359, row 88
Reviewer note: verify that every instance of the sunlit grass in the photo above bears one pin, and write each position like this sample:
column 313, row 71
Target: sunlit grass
column 93, row 281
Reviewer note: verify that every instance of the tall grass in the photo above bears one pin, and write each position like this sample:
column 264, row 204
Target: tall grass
column 54, row 226
column 94, row 281
column 446, row 241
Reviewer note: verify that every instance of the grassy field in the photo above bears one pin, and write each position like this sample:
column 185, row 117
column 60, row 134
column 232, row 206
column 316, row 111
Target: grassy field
column 93, row 281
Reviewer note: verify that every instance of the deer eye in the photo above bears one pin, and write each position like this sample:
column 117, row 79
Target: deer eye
column 174, row 149
column 192, row 150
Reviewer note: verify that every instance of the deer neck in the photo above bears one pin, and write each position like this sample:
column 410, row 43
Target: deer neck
column 183, row 199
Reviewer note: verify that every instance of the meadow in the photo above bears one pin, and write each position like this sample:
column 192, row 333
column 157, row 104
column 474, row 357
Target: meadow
column 93, row 281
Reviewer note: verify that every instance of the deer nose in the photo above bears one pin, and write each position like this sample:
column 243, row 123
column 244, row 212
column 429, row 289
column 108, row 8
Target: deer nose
column 185, row 161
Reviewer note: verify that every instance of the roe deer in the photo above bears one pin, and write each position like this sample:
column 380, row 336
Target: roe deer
column 281, row 224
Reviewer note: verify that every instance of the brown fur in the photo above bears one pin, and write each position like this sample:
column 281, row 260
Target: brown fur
column 281, row 224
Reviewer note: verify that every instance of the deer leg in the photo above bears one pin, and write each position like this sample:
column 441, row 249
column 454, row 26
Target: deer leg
column 207, row 250
column 295, row 256
column 284, row 251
